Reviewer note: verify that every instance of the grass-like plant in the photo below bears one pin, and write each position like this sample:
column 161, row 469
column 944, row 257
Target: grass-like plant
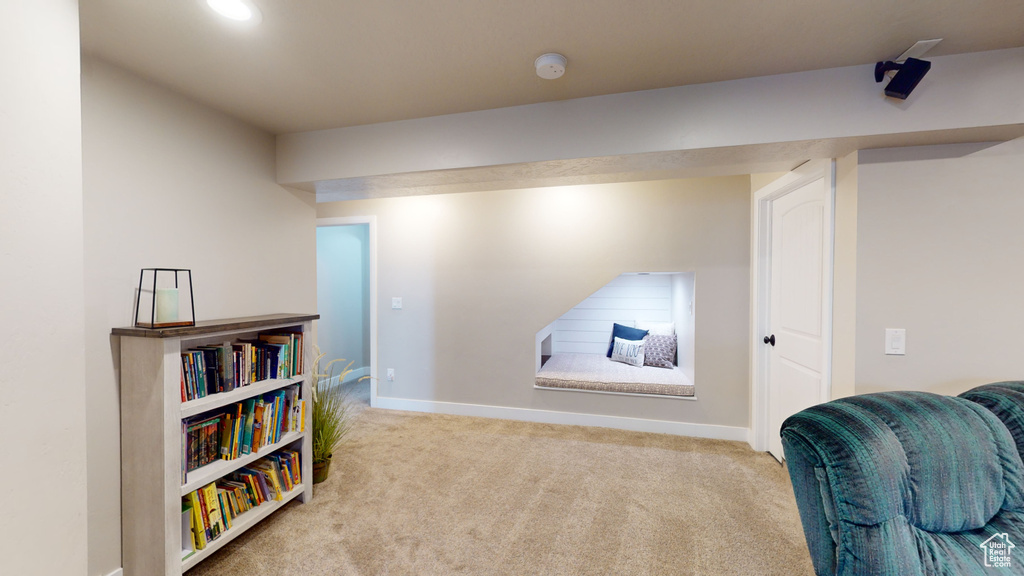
column 331, row 411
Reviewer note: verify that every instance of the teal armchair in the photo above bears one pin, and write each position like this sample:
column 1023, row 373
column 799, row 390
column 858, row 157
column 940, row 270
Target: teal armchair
column 910, row 483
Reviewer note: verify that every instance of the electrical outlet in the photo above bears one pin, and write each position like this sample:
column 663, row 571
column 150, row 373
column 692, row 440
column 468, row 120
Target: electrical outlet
column 391, row 374
column 396, row 303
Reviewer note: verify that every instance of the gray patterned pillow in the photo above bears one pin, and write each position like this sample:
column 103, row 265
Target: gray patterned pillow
column 660, row 350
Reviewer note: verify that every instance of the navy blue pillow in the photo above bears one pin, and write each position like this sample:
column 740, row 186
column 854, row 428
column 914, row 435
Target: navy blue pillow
column 626, row 333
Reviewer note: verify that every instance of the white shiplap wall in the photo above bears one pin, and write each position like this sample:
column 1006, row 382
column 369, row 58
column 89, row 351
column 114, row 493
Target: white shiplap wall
column 587, row 328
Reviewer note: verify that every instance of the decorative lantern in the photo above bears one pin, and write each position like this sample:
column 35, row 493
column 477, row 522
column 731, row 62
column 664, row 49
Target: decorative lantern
column 163, row 301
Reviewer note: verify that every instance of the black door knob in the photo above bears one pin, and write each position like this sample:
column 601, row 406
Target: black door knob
column 770, row 339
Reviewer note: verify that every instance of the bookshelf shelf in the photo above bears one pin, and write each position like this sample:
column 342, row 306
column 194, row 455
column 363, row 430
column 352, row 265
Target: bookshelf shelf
column 202, row 476
column 241, row 524
column 152, row 416
column 214, row 401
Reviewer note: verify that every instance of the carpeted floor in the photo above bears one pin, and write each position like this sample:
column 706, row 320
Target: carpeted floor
column 425, row 494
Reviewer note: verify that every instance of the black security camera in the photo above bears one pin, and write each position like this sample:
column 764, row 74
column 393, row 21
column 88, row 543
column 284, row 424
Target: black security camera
column 908, row 74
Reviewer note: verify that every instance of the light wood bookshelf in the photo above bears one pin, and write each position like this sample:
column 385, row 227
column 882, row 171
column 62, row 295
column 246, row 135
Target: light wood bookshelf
column 151, row 416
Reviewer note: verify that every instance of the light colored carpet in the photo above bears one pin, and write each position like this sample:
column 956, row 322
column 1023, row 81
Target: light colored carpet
column 428, row 494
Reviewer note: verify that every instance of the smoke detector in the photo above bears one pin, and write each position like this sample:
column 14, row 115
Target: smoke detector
column 550, row 66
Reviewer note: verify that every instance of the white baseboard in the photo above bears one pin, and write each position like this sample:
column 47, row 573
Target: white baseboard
column 118, row 572
column 352, row 376
column 357, row 373
column 553, row 417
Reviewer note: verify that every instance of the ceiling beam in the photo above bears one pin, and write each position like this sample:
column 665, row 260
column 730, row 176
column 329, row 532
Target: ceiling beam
column 763, row 121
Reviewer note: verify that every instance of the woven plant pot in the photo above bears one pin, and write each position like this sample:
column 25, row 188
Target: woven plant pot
column 320, row 470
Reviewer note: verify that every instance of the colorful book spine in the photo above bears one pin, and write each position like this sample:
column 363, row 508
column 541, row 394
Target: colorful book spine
column 213, row 511
column 198, row 528
column 250, row 408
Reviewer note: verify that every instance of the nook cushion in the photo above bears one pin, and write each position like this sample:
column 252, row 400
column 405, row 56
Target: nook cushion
column 628, row 352
column 568, row 371
column 660, row 350
column 660, row 328
column 626, row 333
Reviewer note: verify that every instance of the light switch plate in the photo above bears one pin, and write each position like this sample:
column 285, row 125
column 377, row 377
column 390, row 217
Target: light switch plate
column 396, row 303
column 895, row 341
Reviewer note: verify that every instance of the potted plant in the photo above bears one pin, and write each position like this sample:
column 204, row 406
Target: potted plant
column 331, row 415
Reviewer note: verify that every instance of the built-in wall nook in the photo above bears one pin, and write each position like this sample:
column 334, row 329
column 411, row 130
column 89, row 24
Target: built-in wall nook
column 633, row 336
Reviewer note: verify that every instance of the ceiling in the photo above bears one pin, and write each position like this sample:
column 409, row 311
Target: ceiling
column 318, row 64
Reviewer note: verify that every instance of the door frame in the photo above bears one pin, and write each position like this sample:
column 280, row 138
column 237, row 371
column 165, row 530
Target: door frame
column 760, row 264
column 371, row 221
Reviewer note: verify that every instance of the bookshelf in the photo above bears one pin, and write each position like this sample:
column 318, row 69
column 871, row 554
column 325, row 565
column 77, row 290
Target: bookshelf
column 152, row 412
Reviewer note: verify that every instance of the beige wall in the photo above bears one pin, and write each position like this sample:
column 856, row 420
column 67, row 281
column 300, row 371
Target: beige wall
column 42, row 382
column 844, row 279
column 481, row 273
column 941, row 254
column 171, row 183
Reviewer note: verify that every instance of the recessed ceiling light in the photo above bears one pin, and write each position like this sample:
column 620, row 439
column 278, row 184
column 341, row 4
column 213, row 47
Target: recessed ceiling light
column 243, row 11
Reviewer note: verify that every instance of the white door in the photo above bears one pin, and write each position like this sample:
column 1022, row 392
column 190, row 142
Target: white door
column 798, row 273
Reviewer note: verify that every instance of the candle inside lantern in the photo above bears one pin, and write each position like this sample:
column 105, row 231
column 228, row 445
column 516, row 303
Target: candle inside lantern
column 167, row 305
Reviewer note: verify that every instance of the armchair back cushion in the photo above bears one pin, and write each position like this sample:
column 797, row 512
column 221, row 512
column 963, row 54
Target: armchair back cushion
column 892, row 483
column 1006, row 401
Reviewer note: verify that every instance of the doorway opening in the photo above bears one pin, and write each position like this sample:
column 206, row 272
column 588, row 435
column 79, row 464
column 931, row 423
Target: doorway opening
column 346, row 301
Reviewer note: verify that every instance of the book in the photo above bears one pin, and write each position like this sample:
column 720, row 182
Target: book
column 293, row 339
column 193, row 362
column 291, row 395
column 225, row 507
column 188, row 372
column 249, row 411
column 251, row 487
column 213, row 511
column 271, row 429
column 296, row 469
column 274, row 484
column 261, row 359
column 261, row 482
column 198, row 527
column 272, row 356
column 227, row 363
column 236, row 435
column 243, row 363
column 181, row 371
column 240, row 499
column 268, row 421
column 281, row 465
column 204, row 513
column 188, row 543
column 201, row 438
column 226, row 427
column 286, row 343
column 211, row 360
column 201, row 380
column 257, row 425
column 184, row 451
